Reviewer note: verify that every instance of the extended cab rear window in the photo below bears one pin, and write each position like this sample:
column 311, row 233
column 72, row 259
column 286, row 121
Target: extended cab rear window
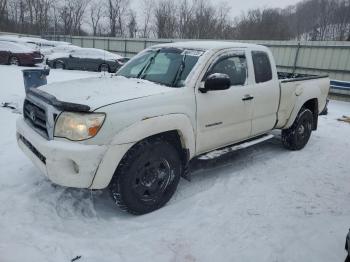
column 262, row 67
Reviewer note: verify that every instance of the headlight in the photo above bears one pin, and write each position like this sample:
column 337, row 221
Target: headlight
column 78, row 126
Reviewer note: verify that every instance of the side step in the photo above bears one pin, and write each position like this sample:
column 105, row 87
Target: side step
column 244, row 144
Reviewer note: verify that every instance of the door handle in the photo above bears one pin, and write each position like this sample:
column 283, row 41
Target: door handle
column 247, row 97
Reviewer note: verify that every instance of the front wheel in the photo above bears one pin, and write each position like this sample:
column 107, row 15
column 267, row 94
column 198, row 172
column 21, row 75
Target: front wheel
column 297, row 136
column 59, row 65
column 146, row 177
column 14, row 61
column 104, row 68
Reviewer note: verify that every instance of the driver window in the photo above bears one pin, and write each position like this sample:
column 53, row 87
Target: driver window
column 235, row 67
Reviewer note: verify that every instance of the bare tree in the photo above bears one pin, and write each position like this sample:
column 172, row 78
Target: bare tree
column 263, row 24
column 65, row 14
column 3, row 12
column 71, row 15
column 222, row 22
column 165, row 19
column 147, row 7
column 96, row 13
column 205, row 19
column 307, row 20
column 341, row 20
column 186, row 19
column 79, row 8
column 132, row 24
column 116, row 10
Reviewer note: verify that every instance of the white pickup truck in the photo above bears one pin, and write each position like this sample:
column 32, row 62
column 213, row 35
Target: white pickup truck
column 135, row 132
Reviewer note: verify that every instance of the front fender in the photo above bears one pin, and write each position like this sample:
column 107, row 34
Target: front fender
column 155, row 125
column 136, row 132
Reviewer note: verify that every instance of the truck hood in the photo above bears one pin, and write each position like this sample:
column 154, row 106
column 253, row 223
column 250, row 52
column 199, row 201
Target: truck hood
column 98, row 92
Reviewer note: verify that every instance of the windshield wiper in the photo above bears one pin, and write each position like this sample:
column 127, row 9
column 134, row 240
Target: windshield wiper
column 179, row 71
column 148, row 64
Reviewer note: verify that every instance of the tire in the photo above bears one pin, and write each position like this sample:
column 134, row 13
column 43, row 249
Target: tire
column 324, row 112
column 14, row 61
column 103, row 68
column 297, row 136
column 136, row 187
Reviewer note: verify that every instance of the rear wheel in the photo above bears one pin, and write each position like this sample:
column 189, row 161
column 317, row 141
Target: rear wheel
column 147, row 176
column 13, row 60
column 297, row 136
column 104, row 68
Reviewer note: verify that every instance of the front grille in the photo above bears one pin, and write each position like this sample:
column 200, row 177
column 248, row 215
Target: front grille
column 36, row 116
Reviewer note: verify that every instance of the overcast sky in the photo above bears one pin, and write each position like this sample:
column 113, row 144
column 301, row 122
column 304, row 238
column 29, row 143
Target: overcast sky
column 239, row 6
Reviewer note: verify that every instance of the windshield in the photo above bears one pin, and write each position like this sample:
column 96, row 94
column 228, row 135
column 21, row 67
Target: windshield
column 166, row 66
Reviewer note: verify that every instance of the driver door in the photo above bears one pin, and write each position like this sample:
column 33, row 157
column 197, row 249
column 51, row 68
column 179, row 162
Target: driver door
column 224, row 117
column 74, row 60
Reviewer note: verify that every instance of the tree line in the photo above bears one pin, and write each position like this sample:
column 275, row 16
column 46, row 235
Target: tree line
column 187, row 19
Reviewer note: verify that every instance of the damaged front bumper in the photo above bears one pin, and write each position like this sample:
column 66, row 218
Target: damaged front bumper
column 65, row 163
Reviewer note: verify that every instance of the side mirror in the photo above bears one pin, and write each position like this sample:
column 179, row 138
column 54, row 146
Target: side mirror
column 215, row 82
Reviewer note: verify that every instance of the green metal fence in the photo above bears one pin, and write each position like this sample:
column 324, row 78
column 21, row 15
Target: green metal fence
column 316, row 57
column 305, row 57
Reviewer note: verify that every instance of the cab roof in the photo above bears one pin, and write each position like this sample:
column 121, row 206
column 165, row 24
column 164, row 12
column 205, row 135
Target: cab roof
column 210, row 45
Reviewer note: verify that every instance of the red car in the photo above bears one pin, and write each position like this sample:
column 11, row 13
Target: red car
column 17, row 54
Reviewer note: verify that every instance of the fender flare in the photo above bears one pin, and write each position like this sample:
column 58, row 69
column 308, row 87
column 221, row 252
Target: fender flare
column 304, row 96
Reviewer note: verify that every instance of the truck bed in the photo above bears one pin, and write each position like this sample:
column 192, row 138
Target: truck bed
column 294, row 85
column 293, row 77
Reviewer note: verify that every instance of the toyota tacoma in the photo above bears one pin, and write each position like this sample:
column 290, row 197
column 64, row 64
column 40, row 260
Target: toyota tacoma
column 136, row 132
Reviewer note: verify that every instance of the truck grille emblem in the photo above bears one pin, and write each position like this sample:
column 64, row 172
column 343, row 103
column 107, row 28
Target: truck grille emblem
column 32, row 116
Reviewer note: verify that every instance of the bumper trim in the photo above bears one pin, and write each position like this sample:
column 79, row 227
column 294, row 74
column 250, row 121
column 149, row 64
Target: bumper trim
column 35, row 151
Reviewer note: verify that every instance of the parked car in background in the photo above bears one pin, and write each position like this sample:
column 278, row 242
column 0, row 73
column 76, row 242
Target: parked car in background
column 64, row 49
column 90, row 59
column 42, row 45
column 59, row 52
column 17, row 54
column 60, row 48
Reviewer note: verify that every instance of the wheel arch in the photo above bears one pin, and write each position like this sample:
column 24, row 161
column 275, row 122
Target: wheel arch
column 59, row 60
column 15, row 56
column 310, row 103
column 159, row 125
column 174, row 128
column 104, row 63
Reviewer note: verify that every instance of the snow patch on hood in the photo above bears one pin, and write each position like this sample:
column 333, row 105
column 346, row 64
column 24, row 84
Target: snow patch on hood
column 98, row 92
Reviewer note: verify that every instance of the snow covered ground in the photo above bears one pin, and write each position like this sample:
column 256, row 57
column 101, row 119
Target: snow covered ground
column 262, row 203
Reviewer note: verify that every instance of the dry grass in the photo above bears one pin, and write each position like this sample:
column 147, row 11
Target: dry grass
column 345, row 119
